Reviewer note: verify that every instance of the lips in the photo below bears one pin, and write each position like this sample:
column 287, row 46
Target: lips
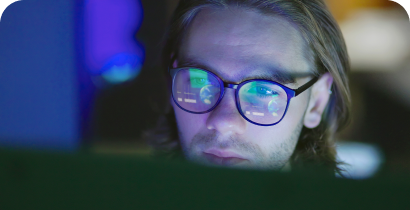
column 225, row 158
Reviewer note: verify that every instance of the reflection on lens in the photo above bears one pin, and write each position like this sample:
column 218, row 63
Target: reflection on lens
column 198, row 78
column 273, row 106
column 195, row 90
column 208, row 93
column 262, row 102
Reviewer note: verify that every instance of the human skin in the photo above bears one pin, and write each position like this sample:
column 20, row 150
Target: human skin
column 238, row 44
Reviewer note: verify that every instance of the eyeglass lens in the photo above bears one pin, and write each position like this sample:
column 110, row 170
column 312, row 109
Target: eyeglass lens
column 198, row 91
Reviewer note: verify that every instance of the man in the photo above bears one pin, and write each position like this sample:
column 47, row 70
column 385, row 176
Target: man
column 257, row 84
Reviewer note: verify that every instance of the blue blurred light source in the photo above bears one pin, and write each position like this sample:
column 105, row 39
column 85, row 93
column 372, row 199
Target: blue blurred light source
column 111, row 50
column 121, row 68
column 38, row 88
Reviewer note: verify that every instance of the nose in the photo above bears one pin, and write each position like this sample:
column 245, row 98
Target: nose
column 225, row 118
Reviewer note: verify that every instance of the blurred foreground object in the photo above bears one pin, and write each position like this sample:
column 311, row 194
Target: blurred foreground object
column 55, row 181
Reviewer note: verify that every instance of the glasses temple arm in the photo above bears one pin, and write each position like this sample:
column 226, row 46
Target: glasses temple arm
column 306, row 86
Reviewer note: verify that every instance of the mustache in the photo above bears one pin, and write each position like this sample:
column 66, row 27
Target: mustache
column 213, row 139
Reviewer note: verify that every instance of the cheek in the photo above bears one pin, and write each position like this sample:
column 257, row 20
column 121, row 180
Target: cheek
column 297, row 109
column 188, row 124
column 272, row 137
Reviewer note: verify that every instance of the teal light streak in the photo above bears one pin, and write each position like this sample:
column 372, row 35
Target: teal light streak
column 119, row 74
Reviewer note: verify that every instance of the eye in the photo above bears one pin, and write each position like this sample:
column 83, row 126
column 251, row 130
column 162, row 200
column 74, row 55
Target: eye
column 263, row 90
column 200, row 81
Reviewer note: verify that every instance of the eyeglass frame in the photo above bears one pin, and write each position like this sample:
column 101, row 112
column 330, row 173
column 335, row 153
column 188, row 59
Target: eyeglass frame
column 289, row 92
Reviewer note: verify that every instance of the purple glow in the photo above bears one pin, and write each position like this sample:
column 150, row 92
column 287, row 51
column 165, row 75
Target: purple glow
column 110, row 27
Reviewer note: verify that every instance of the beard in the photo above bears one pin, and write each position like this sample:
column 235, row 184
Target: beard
column 274, row 158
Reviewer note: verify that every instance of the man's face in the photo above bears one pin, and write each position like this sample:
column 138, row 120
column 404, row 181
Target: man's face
column 237, row 45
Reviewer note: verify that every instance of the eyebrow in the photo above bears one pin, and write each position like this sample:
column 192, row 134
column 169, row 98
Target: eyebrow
column 281, row 76
column 274, row 75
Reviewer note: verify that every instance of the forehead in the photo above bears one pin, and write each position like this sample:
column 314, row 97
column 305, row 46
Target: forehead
column 234, row 42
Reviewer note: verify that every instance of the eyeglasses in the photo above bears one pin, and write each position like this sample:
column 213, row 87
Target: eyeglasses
column 261, row 102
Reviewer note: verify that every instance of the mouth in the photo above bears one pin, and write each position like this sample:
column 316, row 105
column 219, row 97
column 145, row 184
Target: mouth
column 223, row 158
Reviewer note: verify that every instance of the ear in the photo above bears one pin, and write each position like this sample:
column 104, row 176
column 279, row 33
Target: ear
column 174, row 65
column 319, row 98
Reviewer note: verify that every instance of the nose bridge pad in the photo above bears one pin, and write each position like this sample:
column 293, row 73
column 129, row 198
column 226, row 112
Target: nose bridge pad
column 231, row 87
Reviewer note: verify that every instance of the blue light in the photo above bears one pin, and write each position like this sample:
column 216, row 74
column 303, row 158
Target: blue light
column 111, row 50
column 119, row 74
column 121, row 68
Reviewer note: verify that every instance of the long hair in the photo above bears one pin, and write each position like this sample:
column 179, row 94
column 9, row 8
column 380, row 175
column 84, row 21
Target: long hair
column 322, row 34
